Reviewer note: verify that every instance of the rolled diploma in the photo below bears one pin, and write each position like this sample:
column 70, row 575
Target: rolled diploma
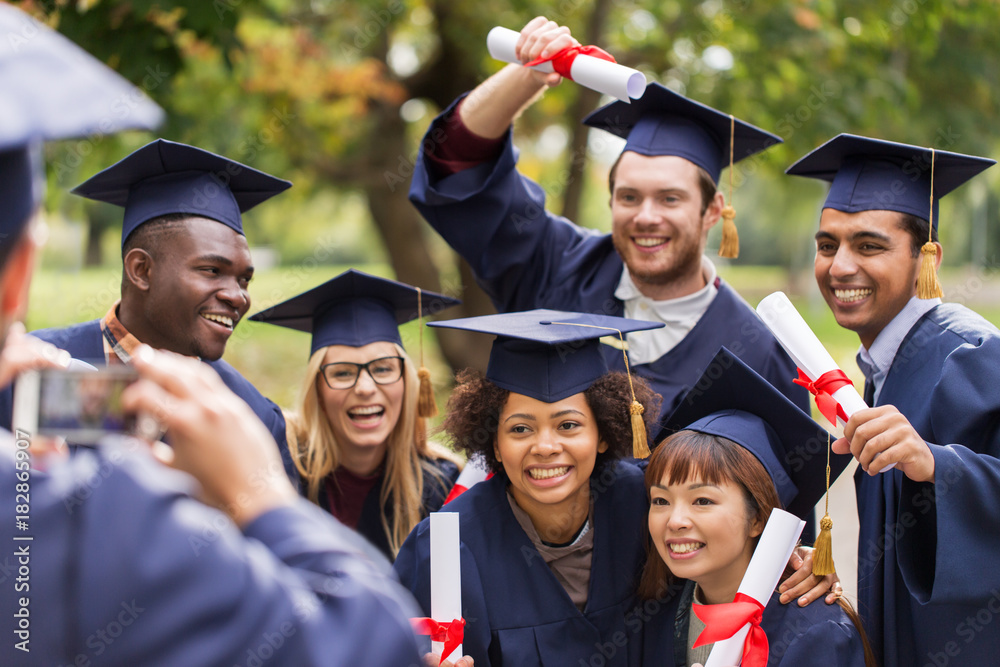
column 806, row 351
column 446, row 574
column 761, row 578
column 804, row 347
column 594, row 73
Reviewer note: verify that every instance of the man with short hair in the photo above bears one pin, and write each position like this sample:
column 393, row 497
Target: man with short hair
column 186, row 264
column 651, row 266
column 929, row 529
column 108, row 557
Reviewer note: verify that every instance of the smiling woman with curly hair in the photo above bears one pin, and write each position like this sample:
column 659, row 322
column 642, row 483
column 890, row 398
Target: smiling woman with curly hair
column 473, row 415
column 552, row 543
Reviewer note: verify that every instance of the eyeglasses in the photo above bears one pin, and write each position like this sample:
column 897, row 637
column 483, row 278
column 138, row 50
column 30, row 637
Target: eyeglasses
column 345, row 374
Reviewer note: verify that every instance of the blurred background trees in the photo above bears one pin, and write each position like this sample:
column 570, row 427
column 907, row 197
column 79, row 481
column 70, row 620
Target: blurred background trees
column 336, row 95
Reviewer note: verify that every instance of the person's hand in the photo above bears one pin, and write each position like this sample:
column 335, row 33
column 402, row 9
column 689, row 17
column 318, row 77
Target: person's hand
column 541, row 38
column 22, row 352
column 805, row 585
column 215, row 435
column 432, row 659
column 878, row 437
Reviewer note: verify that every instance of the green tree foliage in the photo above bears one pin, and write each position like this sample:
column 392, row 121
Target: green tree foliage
column 335, row 95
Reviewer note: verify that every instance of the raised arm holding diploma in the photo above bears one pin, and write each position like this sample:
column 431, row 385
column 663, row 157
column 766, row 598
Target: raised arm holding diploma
column 597, row 73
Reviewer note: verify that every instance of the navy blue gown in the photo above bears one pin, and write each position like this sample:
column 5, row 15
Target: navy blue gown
column 524, row 257
column 928, row 575
column 817, row 635
column 84, row 341
column 124, row 568
column 370, row 524
column 517, row 613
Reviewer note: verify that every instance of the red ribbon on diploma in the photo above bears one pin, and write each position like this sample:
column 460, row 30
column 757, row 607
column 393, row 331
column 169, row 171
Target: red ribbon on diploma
column 562, row 61
column 722, row 621
column 823, row 389
column 452, row 634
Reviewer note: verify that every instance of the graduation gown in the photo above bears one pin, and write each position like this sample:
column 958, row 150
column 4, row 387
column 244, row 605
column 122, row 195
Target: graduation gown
column 85, row 342
column 517, row 613
column 125, row 568
column 370, row 524
column 819, row 634
column 928, row 579
column 524, row 258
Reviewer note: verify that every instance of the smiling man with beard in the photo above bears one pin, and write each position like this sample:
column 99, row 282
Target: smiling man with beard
column 186, row 264
column 664, row 200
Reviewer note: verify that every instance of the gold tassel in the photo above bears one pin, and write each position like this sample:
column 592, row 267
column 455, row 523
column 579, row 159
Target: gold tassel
column 928, row 285
column 730, row 246
column 640, row 443
column 426, row 405
column 823, row 558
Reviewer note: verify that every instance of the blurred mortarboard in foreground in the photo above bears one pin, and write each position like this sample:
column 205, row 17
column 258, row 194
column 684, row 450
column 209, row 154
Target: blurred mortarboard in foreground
column 165, row 177
column 663, row 122
column 732, row 401
column 355, row 309
column 550, row 355
column 875, row 175
column 52, row 89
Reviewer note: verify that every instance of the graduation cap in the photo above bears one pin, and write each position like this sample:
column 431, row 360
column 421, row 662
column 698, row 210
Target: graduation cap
column 874, row 175
column 52, row 89
column 663, row 122
column 166, row 177
column 355, row 309
column 732, row 401
column 550, row 355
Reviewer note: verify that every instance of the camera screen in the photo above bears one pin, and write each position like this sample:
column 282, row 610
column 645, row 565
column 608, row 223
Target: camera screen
column 83, row 406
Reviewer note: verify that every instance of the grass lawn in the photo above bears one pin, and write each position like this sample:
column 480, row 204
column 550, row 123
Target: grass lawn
column 273, row 358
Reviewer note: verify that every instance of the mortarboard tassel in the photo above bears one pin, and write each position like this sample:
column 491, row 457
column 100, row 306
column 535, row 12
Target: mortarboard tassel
column 823, row 557
column 640, row 440
column 426, row 405
column 730, row 246
column 928, row 285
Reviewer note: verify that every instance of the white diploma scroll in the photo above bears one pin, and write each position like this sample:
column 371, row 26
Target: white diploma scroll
column 806, row 351
column 768, row 562
column 601, row 75
column 446, row 574
column 804, row 347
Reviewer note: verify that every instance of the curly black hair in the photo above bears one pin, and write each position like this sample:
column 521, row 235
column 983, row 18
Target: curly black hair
column 473, row 414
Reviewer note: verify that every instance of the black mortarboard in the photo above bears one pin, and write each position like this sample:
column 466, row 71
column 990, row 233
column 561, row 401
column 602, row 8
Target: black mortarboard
column 663, row 122
column 354, row 309
column 732, row 401
column 537, row 356
column 874, row 175
column 166, row 177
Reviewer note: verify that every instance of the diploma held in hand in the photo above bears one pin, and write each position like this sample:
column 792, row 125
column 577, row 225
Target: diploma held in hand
column 804, row 347
column 808, row 353
column 604, row 76
column 748, row 646
column 446, row 625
